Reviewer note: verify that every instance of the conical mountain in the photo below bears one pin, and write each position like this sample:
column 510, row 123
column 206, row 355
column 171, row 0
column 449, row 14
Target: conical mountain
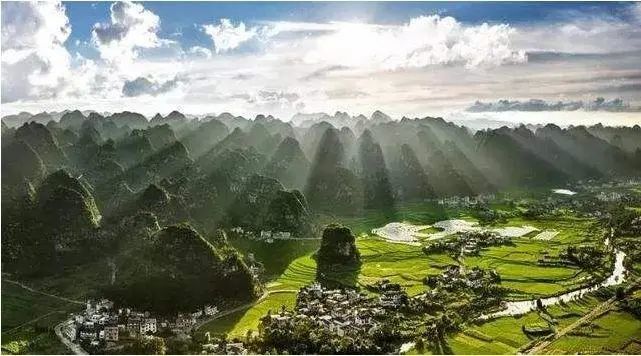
column 42, row 141
column 72, row 120
column 379, row 117
column 167, row 162
column 177, row 270
column 160, row 136
column 20, row 163
column 288, row 164
column 411, row 181
column 132, row 119
column 265, row 205
column 443, row 177
column 330, row 186
column 133, row 149
column 373, row 172
column 204, row 137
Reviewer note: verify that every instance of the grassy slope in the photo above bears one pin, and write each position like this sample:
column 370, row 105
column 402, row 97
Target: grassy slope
column 28, row 319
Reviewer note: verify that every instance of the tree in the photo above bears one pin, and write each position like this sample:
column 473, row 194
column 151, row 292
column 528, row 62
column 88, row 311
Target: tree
column 338, row 246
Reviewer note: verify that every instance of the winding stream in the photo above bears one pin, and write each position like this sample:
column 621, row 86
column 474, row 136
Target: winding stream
column 526, row 306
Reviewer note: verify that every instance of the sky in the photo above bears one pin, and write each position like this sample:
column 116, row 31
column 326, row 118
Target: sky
column 568, row 63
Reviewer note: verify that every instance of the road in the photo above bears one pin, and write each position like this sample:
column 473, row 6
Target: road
column 75, row 348
column 538, row 347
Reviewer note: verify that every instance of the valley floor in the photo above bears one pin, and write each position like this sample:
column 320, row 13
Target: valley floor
column 28, row 317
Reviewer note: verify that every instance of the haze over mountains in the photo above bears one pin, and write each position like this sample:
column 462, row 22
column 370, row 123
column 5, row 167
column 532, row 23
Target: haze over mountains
column 86, row 185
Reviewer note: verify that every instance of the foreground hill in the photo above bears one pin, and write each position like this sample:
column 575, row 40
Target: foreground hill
column 176, row 269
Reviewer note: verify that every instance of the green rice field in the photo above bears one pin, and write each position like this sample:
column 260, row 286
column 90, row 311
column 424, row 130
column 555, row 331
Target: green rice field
column 408, row 266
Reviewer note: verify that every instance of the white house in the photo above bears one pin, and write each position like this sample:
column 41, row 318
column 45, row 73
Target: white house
column 111, row 333
column 148, row 326
column 211, row 310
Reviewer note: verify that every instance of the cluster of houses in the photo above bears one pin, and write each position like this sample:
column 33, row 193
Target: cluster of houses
column 341, row 311
column 234, row 348
column 264, row 235
column 467, row 201
column 467, row 243
column 101, row 325
column 609, row 196
column 456, row 278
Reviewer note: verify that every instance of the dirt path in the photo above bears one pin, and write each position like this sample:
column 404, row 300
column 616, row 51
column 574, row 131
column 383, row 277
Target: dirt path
column 75, row 348
column 599, row 310
column 24, row 286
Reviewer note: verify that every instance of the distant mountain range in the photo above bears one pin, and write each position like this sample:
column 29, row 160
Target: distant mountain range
column 83, row 185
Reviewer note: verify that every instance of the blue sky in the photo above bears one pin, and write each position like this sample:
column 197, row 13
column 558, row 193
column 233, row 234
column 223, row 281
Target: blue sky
column 406, row 58
column 181, row 17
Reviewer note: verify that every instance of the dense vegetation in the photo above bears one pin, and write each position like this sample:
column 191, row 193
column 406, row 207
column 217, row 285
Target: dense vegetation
column 151, row 202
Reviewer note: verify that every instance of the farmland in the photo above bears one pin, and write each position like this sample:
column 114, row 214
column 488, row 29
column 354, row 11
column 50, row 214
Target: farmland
column 614, row 332
column 505, row 335
column 408, row 265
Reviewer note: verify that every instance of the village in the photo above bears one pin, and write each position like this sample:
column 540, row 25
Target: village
column 467, row 243
column 102, row 328
column 344, row 312
column 266, row 236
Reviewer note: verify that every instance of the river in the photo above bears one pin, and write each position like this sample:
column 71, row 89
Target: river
column 526, row 306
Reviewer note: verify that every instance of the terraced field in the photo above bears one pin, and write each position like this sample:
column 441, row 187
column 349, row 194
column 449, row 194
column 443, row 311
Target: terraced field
column 403, row 264
column 408, row 266
column 517, row 264
column 418, row 213
column 506, row 336
column 282, row 291
column 614, row 332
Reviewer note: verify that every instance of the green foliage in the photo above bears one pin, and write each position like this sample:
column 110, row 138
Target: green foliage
column 288, row 164
column 331, row 187
column 337, row 247
column 178, row 270
column 377, row 189
column 146, row 345
column 265, row 205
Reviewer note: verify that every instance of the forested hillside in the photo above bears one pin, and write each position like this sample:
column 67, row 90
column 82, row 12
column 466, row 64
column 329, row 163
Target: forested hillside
column 127, row 188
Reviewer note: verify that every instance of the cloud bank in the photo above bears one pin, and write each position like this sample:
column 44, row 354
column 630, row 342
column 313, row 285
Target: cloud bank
column 426, row 64
column 147, row 86
column 598, row 104
column 34, row 60
column 226, row 36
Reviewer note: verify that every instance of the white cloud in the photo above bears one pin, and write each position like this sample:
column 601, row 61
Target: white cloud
column 636, row 11
column 429, row 65
column 226, row 36
column 148, row 86
column 34, row 59
column 423, row 41
column 200, row 51
column 582, row 32
column 132, row 27
column 598, row 104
